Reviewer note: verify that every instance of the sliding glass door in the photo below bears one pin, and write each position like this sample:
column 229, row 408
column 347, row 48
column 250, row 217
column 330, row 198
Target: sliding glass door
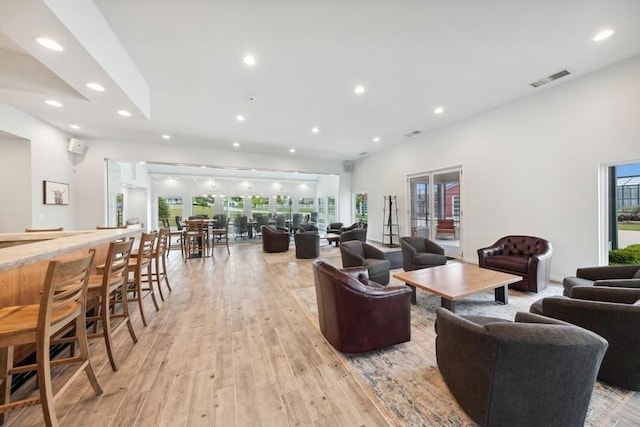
column 435, row 208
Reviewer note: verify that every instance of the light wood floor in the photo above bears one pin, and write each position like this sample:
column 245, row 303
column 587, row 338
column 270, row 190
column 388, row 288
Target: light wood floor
column 229, row 347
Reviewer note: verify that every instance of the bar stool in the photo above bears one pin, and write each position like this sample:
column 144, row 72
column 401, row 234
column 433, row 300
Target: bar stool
column 196, row 237
column 220, row 233
column 63, row 304
column 138, row 267
column 108, row 288
column 159, row 262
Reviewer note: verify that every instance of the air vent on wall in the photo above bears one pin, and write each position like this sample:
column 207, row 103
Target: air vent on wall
column 413, row 133
column 550, row 78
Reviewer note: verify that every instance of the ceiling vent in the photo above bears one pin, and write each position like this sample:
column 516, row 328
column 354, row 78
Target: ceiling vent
column 550, row 78
column 413, row 133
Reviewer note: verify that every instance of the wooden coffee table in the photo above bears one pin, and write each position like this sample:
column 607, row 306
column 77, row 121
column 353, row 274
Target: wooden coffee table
column 457, row 280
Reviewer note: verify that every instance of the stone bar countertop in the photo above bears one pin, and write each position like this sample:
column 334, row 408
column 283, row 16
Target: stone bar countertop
column 47, row 245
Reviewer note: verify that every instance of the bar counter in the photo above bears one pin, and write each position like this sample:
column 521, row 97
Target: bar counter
column 24, row 258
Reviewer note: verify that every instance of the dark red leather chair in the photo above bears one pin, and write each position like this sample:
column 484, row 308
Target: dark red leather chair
column 357, row 315
column 526, row 256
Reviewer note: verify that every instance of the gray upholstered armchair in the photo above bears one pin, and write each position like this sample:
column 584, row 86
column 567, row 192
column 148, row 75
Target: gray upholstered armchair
column 334, row 227
column 533, row 372
column 354, row 234
column 358, row 254
column 418, row 253
column 614, row 314
column 622, row 276
column 307, row 244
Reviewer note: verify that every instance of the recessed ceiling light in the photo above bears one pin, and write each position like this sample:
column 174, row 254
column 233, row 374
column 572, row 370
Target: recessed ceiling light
column 142, row 163
column 53, row 103
column 438, row 110
column 359, row 89
column 203, row 167
column 95, row 86
column 124, row 113
column 249, row 60
column 376, row 139
column 292, row 150
column 604, row 34
column 315, row 130
column 74, row 126
column 165, row 136
column 236, row 144
column 49, row 44
column 240, row 118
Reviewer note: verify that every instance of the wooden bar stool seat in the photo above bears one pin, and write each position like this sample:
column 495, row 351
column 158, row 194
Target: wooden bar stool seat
column 62, row 306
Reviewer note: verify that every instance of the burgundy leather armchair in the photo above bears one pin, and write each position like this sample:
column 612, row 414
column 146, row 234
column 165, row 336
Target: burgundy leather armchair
column 526, row 256
column 274, row 240
column 357, row 315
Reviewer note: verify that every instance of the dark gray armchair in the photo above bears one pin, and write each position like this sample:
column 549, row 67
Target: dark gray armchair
column 418, row 253
column 334, row 227
column 354, row 234
column 533, row 372
column 307, row 244
column 358, row 254
column 622, row 276
column 614, row 314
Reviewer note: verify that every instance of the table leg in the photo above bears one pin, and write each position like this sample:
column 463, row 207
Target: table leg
column 502, row 294
column 413, row 293
column 448, row 304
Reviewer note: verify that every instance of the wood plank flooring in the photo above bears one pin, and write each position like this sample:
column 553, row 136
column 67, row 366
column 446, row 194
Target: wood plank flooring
column 229, row 347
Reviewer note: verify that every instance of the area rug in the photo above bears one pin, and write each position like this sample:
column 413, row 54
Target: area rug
column 405, row 381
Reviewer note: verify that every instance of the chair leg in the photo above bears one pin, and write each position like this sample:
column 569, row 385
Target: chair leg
column 6, row 364
column 83, row 344
column 105, row 317
column 156, row 262
column 44, row 379
column 153, row 294
column 125, row 313
column 164, row 272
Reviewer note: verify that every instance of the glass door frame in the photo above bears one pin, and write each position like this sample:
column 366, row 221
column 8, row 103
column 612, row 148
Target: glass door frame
column 431, row 178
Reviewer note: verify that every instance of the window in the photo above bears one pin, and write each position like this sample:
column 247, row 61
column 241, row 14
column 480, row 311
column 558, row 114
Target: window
column 175, row 208
column 259, row 206
column 235, row 206
column 361, row 207
column 283, row 205
column 202, row 206
column 306, row 205
column 331, row 209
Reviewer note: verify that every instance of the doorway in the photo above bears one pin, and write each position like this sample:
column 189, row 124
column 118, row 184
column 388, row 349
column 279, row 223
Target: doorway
column 435, row 211
column 624, row 205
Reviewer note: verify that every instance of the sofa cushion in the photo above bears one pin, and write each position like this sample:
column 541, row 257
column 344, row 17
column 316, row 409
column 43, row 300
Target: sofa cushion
column 637, row 275
column 509, row 262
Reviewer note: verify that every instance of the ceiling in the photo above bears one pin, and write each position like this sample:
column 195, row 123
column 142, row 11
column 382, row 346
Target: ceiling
column 178, row 68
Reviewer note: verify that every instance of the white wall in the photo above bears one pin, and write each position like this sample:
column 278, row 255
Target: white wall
column 530, row 167
column 49, row 160
column 15, row 169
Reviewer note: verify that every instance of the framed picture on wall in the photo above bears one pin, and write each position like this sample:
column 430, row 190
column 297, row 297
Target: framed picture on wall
column 55, row 193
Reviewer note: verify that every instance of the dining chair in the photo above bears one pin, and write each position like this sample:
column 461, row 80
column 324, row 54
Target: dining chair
column 221, row 234
column 108, row 289
column 196, row 239
column 138, row 267
column 63, row 302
